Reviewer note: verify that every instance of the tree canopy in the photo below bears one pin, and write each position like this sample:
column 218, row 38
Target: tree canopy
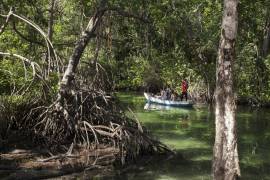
column 141, row 43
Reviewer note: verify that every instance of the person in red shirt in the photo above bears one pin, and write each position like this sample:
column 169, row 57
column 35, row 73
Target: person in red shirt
column 184, row 87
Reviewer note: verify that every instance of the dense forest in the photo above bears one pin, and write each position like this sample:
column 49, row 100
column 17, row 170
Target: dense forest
column 61, row 61
column 139, row 44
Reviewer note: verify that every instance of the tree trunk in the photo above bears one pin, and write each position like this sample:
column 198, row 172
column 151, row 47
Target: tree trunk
column 266, row 38
column 66, row 83
column 47, row 60
column 51, row 19
column 225, row 161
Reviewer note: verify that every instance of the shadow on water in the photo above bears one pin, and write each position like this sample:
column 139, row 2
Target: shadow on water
column 186, row 130
column 190, row 132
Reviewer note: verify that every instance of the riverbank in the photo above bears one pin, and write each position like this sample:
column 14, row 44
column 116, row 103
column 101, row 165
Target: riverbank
column 103, row 137
column 21, row 159
column 190, row 132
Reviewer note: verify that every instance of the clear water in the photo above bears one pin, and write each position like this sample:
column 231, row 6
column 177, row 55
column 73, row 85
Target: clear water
column 190, row 132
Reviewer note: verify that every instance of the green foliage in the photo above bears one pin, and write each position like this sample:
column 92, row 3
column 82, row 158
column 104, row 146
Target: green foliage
column 246, row 69
column 13, row 76
column 179, row 41
column 12, row 111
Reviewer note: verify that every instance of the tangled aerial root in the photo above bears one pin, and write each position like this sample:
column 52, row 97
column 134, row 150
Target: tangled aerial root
column 91, row 118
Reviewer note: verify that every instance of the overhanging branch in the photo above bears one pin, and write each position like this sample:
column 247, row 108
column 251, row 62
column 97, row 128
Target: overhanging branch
column 24, row 37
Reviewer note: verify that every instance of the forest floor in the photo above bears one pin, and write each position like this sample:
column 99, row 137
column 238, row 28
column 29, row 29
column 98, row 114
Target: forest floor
column 19, row 159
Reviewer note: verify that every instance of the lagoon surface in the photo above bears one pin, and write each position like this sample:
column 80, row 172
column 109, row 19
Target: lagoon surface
column 190, row 132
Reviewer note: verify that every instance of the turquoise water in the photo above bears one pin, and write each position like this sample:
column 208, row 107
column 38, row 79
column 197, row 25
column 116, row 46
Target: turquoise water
column 190, row 132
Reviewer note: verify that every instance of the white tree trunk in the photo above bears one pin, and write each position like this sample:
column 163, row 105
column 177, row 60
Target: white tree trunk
column 225, row 161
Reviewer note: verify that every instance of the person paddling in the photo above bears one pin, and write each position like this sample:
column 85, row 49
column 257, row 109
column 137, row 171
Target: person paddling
column 184, row 87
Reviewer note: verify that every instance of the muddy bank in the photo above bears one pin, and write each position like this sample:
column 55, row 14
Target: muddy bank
column 33, row 164
column 20, row 158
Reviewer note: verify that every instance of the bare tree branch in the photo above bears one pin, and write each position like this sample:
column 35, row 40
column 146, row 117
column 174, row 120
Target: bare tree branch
column 34, row 65
column 3, row 27
column 49, row 45
column 24, row 37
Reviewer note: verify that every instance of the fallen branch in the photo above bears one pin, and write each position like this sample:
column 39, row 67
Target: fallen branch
column 58, row 157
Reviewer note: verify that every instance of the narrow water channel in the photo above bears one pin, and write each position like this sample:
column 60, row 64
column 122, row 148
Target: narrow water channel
column 190, row 132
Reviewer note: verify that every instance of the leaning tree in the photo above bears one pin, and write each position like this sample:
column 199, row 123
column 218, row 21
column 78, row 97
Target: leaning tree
column 82, row 115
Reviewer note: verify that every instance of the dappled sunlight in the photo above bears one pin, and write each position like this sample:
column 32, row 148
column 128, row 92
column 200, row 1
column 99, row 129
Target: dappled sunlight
column 202, row 157
column 185, row 143
column 166, row 177
column 253, row 160
column 190, row 132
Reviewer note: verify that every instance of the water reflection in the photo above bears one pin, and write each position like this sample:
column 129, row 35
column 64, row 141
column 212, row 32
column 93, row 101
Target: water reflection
column 153, row 106
column 190, row 132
